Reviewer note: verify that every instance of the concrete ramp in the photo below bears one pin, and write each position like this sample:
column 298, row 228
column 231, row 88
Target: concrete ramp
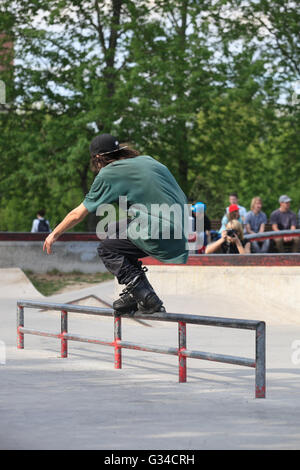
column 14, row 284
column 270, row 294
column 228, row 306
column 266, row 293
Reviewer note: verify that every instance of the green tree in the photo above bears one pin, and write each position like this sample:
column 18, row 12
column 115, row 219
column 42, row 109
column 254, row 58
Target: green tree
column 170, row 82
column 67, row 87
column 205, row 87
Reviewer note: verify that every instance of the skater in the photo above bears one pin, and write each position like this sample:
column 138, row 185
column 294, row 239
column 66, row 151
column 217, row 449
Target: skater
column 155, row 224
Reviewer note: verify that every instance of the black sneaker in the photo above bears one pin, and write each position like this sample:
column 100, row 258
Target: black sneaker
column 142, row 291
column 126, row 303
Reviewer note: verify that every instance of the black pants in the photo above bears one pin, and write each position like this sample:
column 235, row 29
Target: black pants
column 120, row 257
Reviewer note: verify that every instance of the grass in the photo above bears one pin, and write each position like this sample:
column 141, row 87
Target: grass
column 53, row 281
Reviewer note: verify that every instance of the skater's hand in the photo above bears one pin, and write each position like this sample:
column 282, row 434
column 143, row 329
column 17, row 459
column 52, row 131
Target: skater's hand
column 72, row 218
column 48, row 243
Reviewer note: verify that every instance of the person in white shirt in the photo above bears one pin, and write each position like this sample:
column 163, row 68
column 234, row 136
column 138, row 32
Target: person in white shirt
column 40, row 224
column 233, row 199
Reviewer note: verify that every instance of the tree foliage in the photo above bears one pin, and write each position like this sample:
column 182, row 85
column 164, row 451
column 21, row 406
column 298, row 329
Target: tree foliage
column 206, row 87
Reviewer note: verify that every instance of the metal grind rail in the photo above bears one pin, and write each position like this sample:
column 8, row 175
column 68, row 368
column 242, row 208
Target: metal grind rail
column 182, row 352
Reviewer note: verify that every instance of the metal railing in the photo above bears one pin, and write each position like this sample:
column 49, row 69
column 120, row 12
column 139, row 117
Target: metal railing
column 182, row 352
column 260, row 236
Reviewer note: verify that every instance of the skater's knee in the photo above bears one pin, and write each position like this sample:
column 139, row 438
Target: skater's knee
column 102, row 248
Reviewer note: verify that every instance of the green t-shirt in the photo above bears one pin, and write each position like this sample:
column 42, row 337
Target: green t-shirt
column 155, row 202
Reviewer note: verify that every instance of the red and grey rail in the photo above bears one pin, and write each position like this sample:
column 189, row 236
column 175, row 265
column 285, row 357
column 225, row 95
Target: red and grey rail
column 182, row 352
column 260, row 236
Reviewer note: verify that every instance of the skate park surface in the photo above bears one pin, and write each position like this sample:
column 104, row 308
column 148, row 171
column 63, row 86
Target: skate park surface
column 82, row 402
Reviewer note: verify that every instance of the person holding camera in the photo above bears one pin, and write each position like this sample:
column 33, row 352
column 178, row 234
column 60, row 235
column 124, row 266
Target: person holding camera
column 231, row 241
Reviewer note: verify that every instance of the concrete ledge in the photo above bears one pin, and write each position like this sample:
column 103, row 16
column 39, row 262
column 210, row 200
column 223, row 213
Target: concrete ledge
column 65, row 237
column 269, row 259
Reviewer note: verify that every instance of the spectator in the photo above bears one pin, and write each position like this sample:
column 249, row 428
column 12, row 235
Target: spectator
column 284, row 219
column 40, row 224
column 255, row 223
column 233, row 199
column 231, row 242
column 232, row 214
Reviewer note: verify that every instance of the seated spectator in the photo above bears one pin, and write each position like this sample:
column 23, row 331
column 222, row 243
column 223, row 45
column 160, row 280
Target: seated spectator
column 232, row 214
column 201, row 223
column 231, row 241
column 233, row 199
column 284, row 219
column 255, row 223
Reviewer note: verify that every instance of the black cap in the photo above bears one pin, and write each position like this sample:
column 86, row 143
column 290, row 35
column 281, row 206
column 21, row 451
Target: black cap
column 104, row 143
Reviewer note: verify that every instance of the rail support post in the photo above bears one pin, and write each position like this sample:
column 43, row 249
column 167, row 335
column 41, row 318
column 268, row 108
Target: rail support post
column 182, row 348
column 117, row 338
column 260, row 368
column 20, row 324
column 64, row 330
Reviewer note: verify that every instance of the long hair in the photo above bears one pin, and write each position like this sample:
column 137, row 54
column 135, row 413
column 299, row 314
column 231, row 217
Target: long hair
column 235, row 225
column 254, row 200
column 100, row 161
column 234, row 215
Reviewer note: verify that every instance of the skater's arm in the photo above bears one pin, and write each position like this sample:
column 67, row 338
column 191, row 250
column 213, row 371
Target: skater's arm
column 72, row 218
